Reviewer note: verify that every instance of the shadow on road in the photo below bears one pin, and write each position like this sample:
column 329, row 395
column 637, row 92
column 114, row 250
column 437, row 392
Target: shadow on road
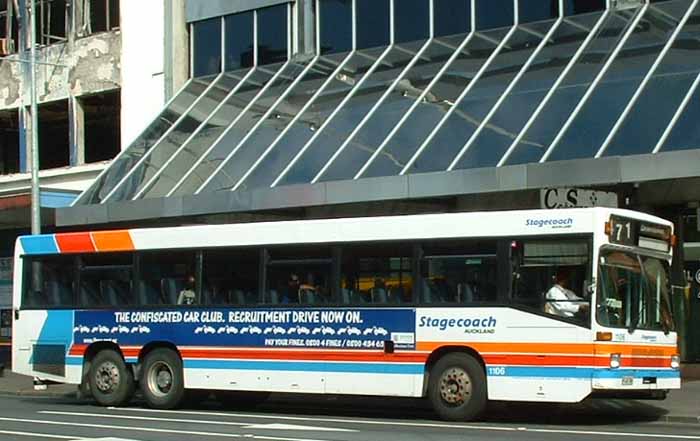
column 592, row 412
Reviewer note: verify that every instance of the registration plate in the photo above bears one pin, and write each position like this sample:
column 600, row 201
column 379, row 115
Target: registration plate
column 627, row 381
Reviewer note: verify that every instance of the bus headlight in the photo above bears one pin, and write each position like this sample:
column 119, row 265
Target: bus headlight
column 675, row 361
column 614, row 361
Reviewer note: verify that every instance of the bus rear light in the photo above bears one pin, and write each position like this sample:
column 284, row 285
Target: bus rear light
column 614, row 361
column 675, row 361
column 603, row 336
column 673, row 240
column 608, row 228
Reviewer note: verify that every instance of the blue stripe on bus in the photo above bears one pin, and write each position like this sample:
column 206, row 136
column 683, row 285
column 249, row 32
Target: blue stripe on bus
column 364, row 368
column 39, row 244
column 573, row 372
column 72, row 360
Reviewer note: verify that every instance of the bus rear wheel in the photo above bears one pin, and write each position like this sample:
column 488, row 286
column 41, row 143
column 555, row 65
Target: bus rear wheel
column 457, row 387
column 162, row 383
column 111, row 381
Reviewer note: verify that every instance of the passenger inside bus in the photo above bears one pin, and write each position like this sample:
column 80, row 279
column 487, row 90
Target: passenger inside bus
column 291, row 293
column 187, row 295
column 562, row 301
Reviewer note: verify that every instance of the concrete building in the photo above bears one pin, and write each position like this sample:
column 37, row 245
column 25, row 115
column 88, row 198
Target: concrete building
column 104, row 70
column 326, row 108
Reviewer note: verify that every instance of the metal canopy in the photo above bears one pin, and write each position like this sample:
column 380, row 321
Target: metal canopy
column 612, row 83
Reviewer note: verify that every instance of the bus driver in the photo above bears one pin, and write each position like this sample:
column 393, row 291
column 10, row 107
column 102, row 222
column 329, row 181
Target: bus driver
column 562, row 301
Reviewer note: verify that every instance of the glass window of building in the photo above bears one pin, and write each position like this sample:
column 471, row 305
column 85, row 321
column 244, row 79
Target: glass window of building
column 206, row 47
column 451, row 17
column 238, row 41
column 372, row 23
column 529, row 11
column 411, row 20
column 572, row 7
column 335, row 26
column 492, row 14
column 273, row 34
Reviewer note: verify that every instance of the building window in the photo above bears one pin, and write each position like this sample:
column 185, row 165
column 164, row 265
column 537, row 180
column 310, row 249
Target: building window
column 239, row 48
column 239, row 41
column 206, row 46
column 54, row 151
column 273, row 34
column 335, row 26
column 572, row 7
column 100, row 16
column 411, row 20
column 451, row 17
column 8, row 27
column 50, row 21
column 102, row 126
column 372, row 20
column 530, row 12
column 9, row 142
column 492, row 14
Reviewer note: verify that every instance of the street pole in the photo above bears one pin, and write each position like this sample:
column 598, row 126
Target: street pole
column 36, row 209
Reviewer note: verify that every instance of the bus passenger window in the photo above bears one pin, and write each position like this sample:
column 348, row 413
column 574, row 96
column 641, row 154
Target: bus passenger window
column 376, row 274
column 105, row 280
column 231, row 277
column 299, row 275
column 163, row 276
column 459, row 272
column 48, row 282
column 551, row 276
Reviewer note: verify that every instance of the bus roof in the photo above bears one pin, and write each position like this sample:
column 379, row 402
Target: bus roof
column 340, row 230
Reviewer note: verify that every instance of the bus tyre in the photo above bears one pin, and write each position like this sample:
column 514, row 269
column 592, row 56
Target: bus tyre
column 162, row 383
column 111, row 381
column 457, row 387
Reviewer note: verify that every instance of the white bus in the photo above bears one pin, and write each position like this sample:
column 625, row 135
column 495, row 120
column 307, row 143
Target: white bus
column 547, row 306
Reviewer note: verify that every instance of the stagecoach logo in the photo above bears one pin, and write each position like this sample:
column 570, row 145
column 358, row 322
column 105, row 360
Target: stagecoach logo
column 469, row 325
column 562, row 222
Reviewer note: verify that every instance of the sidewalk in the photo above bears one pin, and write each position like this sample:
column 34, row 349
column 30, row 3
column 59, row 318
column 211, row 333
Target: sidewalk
column 681, row 406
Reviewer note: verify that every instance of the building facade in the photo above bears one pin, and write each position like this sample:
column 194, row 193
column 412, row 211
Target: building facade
column 104, row 70
column 324, row 108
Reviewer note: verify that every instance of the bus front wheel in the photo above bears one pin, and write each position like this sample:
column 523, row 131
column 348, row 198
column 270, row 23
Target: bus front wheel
column 457, row 387
column 111, row 381
column 162, row 382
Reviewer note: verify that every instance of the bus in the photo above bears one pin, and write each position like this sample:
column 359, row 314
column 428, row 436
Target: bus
column 458, row 308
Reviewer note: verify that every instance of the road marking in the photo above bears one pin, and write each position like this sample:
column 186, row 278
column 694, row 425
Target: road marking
column 325, row 420
column 277, row 426
column 128, row 417
column 428, row 425
column 207, row 422
column 38, row 435
column 152, row 429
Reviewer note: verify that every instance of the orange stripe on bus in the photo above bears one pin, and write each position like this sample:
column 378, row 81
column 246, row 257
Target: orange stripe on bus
column 527, row 348
column 75, row 243
column 557, row 348
column 118, row 240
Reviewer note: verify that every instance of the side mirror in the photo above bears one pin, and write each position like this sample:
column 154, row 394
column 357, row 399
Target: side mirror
column 590, row 287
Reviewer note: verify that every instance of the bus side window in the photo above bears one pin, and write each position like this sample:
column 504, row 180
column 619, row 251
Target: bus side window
column 230, row 277
column 163, row 274
column 376, row 274
column 48, row 281
column 538, row 264
column 106, row 280
column 458, row 272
